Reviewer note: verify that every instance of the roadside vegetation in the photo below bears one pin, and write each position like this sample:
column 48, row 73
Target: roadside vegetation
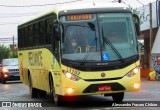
column 6, row 52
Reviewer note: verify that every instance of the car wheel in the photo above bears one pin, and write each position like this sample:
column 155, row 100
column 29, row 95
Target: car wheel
column 3, row 80
column 33, row 91
column 118, row 97
column 56, row 97
column 0, row 78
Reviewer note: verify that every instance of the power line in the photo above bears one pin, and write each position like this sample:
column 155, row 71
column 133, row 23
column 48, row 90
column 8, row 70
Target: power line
column 16, row 16
column 18, row 13
column 14, row 6
column 8, row 23
column 141, row 3
column 3, row 15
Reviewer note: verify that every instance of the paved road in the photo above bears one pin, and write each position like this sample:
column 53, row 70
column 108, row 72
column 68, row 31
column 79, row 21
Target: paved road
column 16, row 91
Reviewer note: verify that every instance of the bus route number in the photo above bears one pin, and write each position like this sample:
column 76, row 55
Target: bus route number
column 73, row 71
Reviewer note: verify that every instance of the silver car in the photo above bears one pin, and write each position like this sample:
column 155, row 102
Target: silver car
column 9, row 70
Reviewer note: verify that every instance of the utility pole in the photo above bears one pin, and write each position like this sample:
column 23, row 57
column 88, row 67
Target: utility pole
column 13, row 45
column 151, row 32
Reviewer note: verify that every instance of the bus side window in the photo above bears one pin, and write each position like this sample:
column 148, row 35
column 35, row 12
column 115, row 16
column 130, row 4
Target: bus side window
column 42, row 33
column 48, row 36
column 31, row 37
column 36, row 34
column 55, row 37
column 20, row 35
column 26, row 37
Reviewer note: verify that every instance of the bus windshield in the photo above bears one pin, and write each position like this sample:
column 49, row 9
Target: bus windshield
column 103, row 37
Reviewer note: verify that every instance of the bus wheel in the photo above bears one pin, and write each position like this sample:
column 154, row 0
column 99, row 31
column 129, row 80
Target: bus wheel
column 118, row 97
column 56, row 97
column 33, row 91
column 42, row 93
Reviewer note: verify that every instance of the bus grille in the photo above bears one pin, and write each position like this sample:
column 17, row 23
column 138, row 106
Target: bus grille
column 13, row 70
column 106, row 79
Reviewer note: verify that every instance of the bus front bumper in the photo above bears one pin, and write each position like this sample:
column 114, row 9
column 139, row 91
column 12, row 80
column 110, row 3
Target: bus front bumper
column 82, row 87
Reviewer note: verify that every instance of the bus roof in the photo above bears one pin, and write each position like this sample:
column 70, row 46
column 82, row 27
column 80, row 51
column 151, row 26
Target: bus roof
column 89, row 6
column 83, row 6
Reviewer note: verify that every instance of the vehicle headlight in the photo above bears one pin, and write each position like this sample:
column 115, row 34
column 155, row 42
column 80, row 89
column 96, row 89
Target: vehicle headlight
column 71, row 76
column 4, row 70
column 133, row 72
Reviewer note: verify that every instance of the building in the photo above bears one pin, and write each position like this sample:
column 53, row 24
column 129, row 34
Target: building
column 145, row 33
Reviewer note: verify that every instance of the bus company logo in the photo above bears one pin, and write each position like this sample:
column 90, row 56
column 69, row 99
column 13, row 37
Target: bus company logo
column 6, row 104
column 103, row 74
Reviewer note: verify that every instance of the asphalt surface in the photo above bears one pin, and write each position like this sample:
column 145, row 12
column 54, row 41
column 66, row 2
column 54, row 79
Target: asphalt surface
column 17, row 94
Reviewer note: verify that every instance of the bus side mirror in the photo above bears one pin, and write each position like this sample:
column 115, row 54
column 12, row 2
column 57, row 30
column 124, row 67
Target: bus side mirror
column 137, row 24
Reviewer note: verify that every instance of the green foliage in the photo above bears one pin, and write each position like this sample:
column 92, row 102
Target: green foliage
column 5, row 52
column 135, row 11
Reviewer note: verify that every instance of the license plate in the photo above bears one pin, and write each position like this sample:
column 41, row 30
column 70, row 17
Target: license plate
column 104, row 88
column 11, row 74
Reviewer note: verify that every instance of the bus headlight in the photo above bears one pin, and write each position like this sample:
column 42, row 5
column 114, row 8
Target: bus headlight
column 133, row 72
column 71, row 76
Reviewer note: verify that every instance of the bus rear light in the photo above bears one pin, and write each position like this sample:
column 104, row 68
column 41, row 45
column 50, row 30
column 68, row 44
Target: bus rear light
column 133, row 72
column 71, row 76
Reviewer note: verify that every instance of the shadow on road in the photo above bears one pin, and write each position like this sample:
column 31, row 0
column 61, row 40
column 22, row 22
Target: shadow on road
column 80, row 101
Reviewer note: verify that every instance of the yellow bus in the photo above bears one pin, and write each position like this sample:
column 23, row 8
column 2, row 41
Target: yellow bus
column 80, row 50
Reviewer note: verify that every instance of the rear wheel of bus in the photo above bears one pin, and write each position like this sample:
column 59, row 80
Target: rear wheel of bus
column 33, row 91
column 56, row 97
column 118, row 97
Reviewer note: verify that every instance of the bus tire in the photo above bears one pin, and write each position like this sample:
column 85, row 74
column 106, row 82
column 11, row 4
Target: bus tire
column 42, row 93
column 56, row 97
column 118, row 97
column 33, row 91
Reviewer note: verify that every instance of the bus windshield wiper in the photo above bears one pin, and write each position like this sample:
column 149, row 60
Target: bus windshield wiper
column 106, row 40
column 91, row 25
column 88, row 52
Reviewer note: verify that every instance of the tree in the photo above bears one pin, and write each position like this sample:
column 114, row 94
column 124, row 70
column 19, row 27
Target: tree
column 5, row 52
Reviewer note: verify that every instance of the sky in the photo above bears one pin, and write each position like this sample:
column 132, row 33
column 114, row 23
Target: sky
column 13, row 12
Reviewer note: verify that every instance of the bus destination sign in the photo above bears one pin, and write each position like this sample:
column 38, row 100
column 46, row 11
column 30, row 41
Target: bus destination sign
column 79, row 17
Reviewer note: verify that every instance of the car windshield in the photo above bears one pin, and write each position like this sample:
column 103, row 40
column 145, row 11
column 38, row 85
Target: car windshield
column 10, row 62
